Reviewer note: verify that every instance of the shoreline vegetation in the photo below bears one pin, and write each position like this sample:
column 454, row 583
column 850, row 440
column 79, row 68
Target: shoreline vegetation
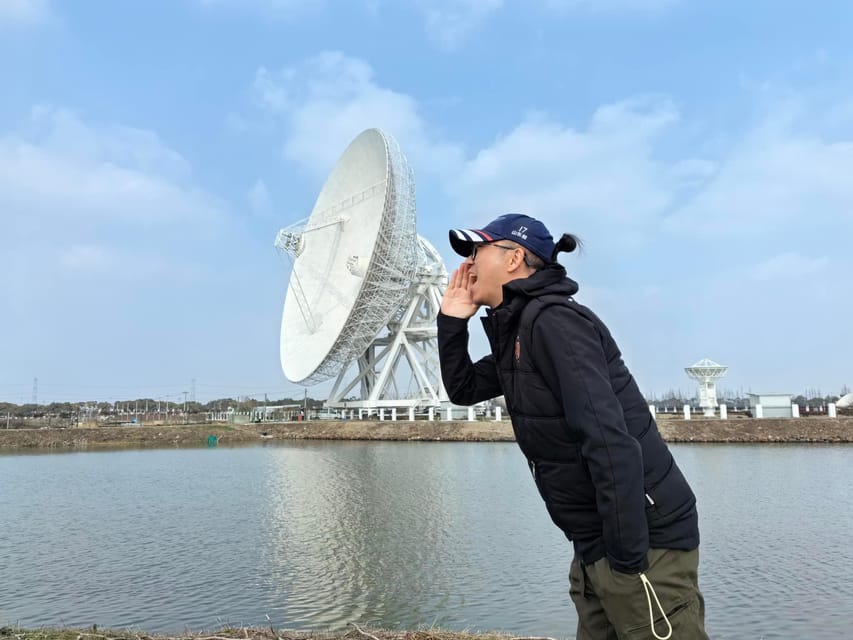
column 355, row 632
column 744, row 430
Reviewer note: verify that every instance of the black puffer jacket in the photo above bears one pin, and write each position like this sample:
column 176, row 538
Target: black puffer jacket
column 606, row 475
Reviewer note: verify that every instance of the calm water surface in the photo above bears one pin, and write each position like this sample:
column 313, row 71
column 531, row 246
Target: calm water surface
column 316, row 535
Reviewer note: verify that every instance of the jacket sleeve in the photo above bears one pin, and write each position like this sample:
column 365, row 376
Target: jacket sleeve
column 466, row 382
column 573, row 359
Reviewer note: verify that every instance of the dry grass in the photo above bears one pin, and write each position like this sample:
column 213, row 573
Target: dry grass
column 251, row 633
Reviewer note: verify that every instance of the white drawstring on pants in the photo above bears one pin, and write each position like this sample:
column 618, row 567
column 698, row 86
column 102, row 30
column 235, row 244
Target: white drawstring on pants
column 650, row 589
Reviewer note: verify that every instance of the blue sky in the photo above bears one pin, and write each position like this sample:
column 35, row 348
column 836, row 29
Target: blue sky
column 149, row 152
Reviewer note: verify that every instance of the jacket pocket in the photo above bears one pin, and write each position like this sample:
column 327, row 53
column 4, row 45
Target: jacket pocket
column 552, row 509
column 669, row 496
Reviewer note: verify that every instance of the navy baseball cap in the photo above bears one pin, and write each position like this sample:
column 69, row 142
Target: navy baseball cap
column 524, row 230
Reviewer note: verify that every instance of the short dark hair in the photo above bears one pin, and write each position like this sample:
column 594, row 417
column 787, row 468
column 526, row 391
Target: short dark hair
column 568, row 242
column 533, row 261
column 530, row 259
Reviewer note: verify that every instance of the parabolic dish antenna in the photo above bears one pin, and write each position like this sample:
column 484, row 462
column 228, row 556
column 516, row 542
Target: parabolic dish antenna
column 706, row 372
column 359, row 267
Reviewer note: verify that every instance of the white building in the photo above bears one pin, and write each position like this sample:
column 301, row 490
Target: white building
column 773, row 405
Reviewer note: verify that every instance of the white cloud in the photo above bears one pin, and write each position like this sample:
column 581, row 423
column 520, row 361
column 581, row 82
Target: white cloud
column 618, row 169
column 275, row 8
column 781, row 173
column 236, row 123
column 62, row 132
column 118, row 264
column 603, row 174
column 259, row 199
column 85, row 258
column 61, row 167
column 449, row 22
column 611, row 6
column 84, row 206
column 692, row 173
column 326, row 101
column 787, row 266
column 23, row 13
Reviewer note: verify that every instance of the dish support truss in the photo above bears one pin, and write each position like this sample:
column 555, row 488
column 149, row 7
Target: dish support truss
column 411, row 340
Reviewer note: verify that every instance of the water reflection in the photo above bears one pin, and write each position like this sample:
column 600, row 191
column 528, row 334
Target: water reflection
column 343, row 532
column 382, row 534
column 315, row 535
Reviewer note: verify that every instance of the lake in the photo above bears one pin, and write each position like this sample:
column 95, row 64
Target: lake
column 313, row 535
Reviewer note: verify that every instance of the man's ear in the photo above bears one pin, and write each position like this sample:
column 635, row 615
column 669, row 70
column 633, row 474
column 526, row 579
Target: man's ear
column 516, row 261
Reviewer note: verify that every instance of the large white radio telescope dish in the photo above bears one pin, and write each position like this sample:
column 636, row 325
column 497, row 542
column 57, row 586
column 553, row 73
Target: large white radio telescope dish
column 359, row 266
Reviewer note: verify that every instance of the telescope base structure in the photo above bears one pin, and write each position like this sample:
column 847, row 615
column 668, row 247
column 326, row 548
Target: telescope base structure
column 411, row 340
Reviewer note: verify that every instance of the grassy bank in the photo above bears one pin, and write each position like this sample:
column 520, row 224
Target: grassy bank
column 802, row 430
column 356, row 632
column 198, row 435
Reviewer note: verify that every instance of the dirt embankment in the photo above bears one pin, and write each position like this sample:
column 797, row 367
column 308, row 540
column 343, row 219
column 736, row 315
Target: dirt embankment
column 198, row 435
column 819, row 429
column 744, row 430
column 354, row 632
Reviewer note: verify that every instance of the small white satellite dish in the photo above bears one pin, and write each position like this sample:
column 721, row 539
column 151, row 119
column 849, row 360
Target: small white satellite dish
column 845, row 401
column 359, row 269
column 706, row 372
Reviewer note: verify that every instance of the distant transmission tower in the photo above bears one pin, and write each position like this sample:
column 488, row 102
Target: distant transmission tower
column 35, row 390
column 192, row 390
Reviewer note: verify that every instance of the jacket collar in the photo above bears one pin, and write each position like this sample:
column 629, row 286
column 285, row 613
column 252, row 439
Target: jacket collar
column 552, row 280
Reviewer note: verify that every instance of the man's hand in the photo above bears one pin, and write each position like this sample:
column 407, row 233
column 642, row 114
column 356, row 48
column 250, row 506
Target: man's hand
column 457, row 299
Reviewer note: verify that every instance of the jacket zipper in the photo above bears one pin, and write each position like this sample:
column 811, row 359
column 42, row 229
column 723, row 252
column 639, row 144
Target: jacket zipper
column 535, row 474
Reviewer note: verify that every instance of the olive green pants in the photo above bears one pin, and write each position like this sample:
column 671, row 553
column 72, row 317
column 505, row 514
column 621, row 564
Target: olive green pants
column 615, row 606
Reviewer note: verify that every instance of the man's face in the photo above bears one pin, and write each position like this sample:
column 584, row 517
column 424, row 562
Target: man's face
column 488, row 272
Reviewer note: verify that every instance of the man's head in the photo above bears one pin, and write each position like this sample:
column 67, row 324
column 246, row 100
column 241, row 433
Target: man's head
column 509, row 247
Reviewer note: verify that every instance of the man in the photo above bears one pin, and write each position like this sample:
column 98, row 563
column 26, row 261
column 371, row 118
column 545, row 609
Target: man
column 607, row 477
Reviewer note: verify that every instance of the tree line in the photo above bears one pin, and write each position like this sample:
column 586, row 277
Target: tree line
column 811, row 397
column 145, row 405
